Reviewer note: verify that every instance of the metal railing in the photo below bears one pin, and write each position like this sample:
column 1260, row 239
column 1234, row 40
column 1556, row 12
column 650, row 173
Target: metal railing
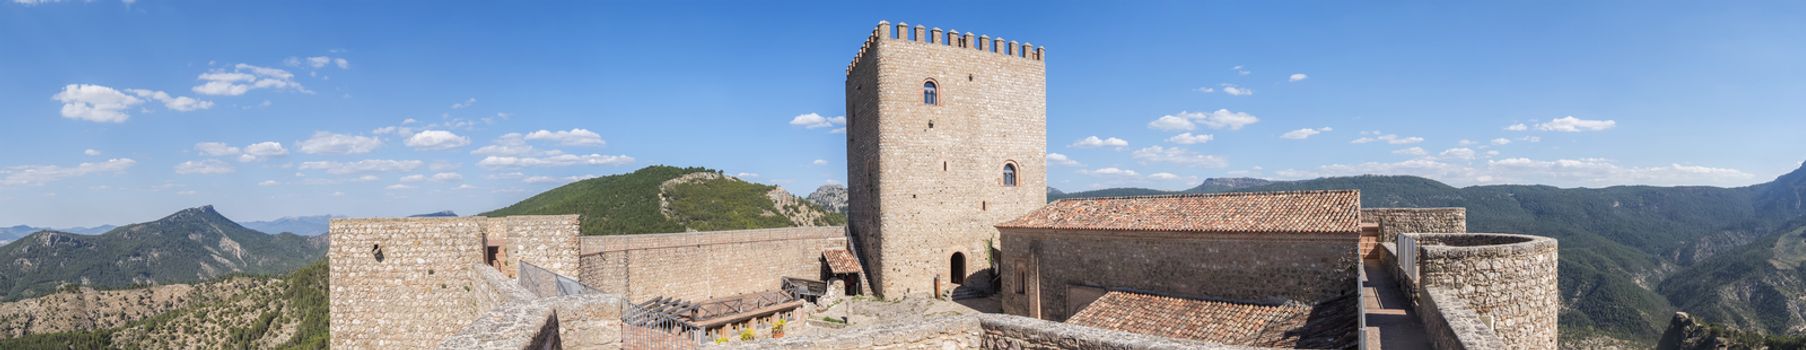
column 648, row 327
column 545, row 284
column 1407, row 257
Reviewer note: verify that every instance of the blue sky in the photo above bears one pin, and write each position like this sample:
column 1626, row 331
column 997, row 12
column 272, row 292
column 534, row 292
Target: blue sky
column 119, row 112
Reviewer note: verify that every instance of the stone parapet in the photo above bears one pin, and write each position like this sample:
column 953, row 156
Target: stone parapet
column 981, row 331
column 1507, row 280
column 1394, row 221
column 1451, row 325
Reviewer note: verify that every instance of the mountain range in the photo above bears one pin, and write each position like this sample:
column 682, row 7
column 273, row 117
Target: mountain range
column 194, row 244
column 1630, row 255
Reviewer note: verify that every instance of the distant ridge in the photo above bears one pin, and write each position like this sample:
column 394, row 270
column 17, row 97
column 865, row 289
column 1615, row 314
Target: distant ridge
column 190, row 245
column 661, row 199
column 437, row 214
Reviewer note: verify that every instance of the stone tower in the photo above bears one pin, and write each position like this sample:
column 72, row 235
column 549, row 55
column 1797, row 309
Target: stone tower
column 946, row 137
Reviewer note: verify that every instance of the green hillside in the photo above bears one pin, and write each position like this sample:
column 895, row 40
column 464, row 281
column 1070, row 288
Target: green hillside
column 1618, row 244
column 191, row 245
column 296, row 304
column 631, row 203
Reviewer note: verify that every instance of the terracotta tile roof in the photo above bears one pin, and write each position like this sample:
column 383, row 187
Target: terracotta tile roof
column 1285, row 326
column 840, row 261
column 1334, row 211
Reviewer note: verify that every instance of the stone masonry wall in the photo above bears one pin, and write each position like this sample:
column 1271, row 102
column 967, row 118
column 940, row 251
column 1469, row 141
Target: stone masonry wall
column 1394, row 221
column 1451, row 325
column 429, row 282
column 547, row 241
column 1240, row 267
column 699, row 266
column 926, row 181
column 1508, row 280
column 420, row 292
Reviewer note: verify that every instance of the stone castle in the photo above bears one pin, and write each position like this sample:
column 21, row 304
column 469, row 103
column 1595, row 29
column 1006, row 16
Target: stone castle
column 947, row 181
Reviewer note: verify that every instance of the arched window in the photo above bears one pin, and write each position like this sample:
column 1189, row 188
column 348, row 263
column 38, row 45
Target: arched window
column 928, row 93
column 1009, row 175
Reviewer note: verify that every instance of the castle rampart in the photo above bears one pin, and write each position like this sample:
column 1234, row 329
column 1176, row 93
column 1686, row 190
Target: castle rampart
column 699, row 266
column 411, row 282
column 1506, row 282
column 1393, row 221
column 953, row 38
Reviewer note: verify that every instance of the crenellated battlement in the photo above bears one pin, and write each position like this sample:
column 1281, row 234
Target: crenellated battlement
column 918, row 34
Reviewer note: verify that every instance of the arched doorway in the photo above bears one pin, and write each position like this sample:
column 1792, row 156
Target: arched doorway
column 959, row 268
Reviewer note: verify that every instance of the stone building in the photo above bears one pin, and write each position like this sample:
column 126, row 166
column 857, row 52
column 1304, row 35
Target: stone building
column 1210, row 259
column 946, row 137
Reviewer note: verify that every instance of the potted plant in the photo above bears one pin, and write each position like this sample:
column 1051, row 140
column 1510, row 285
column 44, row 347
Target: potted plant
column 777, row 329
column 746, row 334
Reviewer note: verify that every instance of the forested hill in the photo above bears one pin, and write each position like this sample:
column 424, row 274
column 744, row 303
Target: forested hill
column 1626, row 251
column 191, row 245
column 661, row 199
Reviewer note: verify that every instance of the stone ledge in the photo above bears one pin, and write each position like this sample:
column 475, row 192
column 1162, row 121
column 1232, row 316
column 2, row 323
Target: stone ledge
column 1450, row 324
column 1465, row 245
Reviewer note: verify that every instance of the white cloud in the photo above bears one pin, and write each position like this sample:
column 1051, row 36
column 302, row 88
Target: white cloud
column 540, row 180
column 1413, row 151
column 1304, row 133
column 363, row 166
column 1112, row 171
column 1207, row 89
column 203, row 167
column 1572, row 124
column 263, row 150
column 1517, row 127
column 398, row 187
column 819, row 162
column 437, row 140
column 244, row 78
column 1233, row 90
column 1561, row 172
column 91, row 152
column 1501, row 141
column 1189, row 139
column 1531, row 139
column 1172, row 123
column 448, row 177
column 317, row 62
column 42, row 174
column 1462, row 153
column 554, row 160
column 466, row 104
column 326, row 142
column 510, row 144
column 573, row 137
column 269, row 183
column 1163, row 176
column 746, row 175
column 216, row 149
column 1466, row 142
column 1175, row 155
column 1297, row 77
column 95, row 103
column 1221, row 118
column 1096, row 142
column 1061, row 159
column 413, row 178
column 174, row 103
column 813, row 121
column 1390, row 139
column 1241, row 70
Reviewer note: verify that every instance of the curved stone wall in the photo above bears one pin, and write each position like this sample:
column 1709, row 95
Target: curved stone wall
column 1507, row 280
